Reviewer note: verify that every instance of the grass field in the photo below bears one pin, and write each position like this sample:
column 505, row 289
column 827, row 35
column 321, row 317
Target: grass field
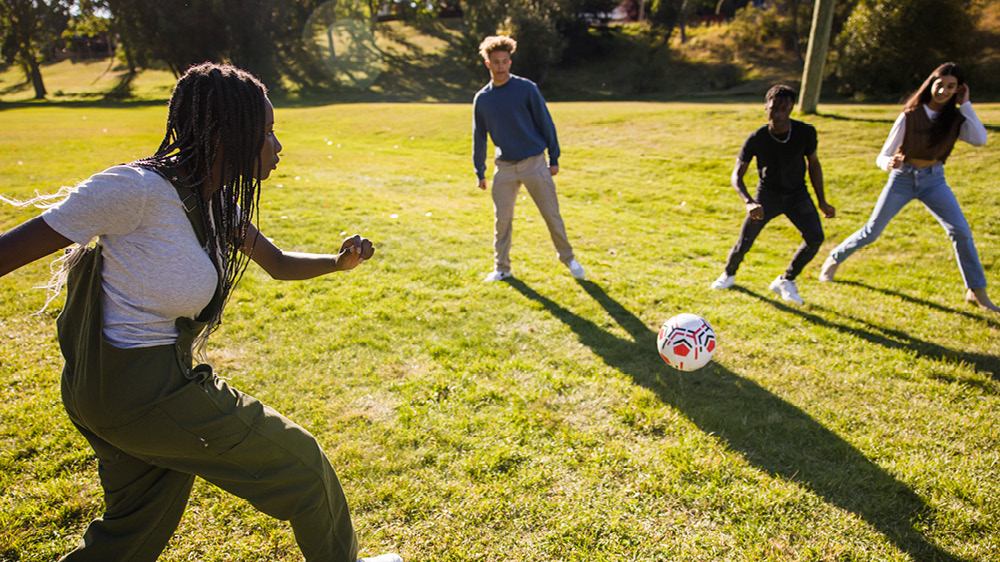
column 533, row 420
column 84, row 82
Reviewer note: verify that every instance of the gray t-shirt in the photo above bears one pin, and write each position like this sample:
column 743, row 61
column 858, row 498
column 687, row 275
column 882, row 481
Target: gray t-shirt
column 155, row 271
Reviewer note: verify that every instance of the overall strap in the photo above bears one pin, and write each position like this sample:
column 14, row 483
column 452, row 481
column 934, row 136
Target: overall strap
column 187, row 328
column 81, row 320
column 191, row 208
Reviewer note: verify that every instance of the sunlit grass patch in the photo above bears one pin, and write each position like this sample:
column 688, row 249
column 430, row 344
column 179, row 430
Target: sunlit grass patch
column 532, row 419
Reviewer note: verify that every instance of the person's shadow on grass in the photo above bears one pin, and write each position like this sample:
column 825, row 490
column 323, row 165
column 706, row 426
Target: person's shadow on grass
column 895, row 339
column 923, row 302
column 771, row 434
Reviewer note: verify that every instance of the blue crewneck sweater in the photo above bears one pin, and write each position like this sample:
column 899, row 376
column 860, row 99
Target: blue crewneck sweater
column 516, row 118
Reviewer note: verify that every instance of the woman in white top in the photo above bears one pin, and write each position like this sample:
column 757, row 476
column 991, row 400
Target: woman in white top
column 175, row 232
column 934, row 117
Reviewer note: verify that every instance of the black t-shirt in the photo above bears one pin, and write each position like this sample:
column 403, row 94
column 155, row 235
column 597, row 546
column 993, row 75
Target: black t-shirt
column 781, row 165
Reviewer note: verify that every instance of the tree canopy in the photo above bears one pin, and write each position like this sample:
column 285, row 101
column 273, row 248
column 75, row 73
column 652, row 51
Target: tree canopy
column 888, row 46
column 28, row 30
column 880, row 46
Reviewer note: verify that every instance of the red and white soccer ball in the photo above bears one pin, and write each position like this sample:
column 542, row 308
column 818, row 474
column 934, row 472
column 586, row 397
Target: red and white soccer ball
column 686, row 342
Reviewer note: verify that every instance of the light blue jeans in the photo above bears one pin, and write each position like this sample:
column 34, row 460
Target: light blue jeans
column 928, row 185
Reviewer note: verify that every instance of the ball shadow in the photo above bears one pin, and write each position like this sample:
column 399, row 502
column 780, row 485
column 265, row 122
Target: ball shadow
column 771, row 434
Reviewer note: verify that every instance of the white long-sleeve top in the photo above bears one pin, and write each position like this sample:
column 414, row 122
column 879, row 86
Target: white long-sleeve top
column 973, row 132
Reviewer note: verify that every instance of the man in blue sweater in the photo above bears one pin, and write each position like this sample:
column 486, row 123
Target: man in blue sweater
column 512, row 111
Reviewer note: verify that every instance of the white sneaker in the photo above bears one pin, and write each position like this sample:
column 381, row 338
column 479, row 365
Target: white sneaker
column 829, row 270
column 724, row 281
column 391, row 557
column 490, row 278
column 787, row 289
column 576, row 270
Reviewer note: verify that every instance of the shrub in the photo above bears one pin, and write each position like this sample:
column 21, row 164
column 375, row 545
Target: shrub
column 539, row 43
column 888, row 46
column 753, row 29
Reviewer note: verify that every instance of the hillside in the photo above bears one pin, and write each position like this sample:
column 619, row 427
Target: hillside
column 429, row 64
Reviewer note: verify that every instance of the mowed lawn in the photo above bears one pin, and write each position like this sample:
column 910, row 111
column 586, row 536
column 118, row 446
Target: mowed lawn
column 533, row 419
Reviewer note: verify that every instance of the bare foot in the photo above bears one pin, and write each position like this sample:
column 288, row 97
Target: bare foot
column 978, row 297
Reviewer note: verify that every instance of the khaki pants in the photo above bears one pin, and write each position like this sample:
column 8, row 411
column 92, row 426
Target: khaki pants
column 533, row 172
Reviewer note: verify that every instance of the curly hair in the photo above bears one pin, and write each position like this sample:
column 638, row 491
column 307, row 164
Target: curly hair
column 780, row 92
column 217, row 112
column 497, row 43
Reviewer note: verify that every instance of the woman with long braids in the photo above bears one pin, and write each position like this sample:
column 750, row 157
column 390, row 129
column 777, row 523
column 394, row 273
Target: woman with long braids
column 175, row 232
column 935, row 116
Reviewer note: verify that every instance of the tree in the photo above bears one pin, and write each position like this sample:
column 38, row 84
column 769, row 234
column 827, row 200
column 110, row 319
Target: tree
column 666, row 14
column 28, row 32
column 181, row 34
column 544, row 29
column 340, row 36
column 267, row 37
column 82, row 28
column 127, row 27
column 888, row 46
column 819, row 41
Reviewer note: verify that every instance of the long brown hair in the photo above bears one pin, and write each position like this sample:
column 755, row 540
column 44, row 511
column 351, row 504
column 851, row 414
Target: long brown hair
column 922, row 95
column 217, row 111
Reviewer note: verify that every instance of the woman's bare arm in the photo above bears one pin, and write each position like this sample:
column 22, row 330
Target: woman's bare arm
column 280, row 264
column 31, row 240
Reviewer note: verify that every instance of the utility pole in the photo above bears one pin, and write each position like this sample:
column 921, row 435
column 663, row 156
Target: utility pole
column 819, row 42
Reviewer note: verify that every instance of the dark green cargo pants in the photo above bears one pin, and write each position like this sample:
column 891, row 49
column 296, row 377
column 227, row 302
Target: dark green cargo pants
column 156, row 423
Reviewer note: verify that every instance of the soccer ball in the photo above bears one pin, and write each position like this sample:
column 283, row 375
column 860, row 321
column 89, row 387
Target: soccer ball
column 686, row 342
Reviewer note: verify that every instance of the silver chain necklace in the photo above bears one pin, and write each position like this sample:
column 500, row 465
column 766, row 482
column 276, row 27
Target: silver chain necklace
column 786, row 137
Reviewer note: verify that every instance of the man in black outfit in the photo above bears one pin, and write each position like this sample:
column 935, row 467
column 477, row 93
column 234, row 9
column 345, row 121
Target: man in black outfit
column 785, row 149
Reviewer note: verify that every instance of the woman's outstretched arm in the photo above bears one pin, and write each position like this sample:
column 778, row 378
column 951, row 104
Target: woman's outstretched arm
column 31, row 240
column 280, row 264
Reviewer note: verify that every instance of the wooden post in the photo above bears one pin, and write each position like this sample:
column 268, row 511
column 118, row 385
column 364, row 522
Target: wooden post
column 819, row 42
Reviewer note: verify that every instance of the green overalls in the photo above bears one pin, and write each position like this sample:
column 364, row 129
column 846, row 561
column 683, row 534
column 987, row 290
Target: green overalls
column 156, row 422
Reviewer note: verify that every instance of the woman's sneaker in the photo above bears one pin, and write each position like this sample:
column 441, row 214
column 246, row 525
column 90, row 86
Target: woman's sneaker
column 829, row 270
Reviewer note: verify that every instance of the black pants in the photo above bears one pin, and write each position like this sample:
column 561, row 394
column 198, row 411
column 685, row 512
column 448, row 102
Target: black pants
column 799, row 209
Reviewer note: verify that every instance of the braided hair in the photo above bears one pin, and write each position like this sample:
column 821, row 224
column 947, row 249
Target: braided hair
column 217, row 112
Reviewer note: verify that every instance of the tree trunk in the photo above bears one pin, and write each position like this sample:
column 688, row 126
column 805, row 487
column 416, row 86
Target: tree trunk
column 682, row 20
column 819, row 41
column 795, row 30
column 35, row 75
column 129, row 59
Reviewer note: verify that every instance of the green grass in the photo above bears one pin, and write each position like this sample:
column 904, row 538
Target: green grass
column 84, row 81
column 534, row 419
